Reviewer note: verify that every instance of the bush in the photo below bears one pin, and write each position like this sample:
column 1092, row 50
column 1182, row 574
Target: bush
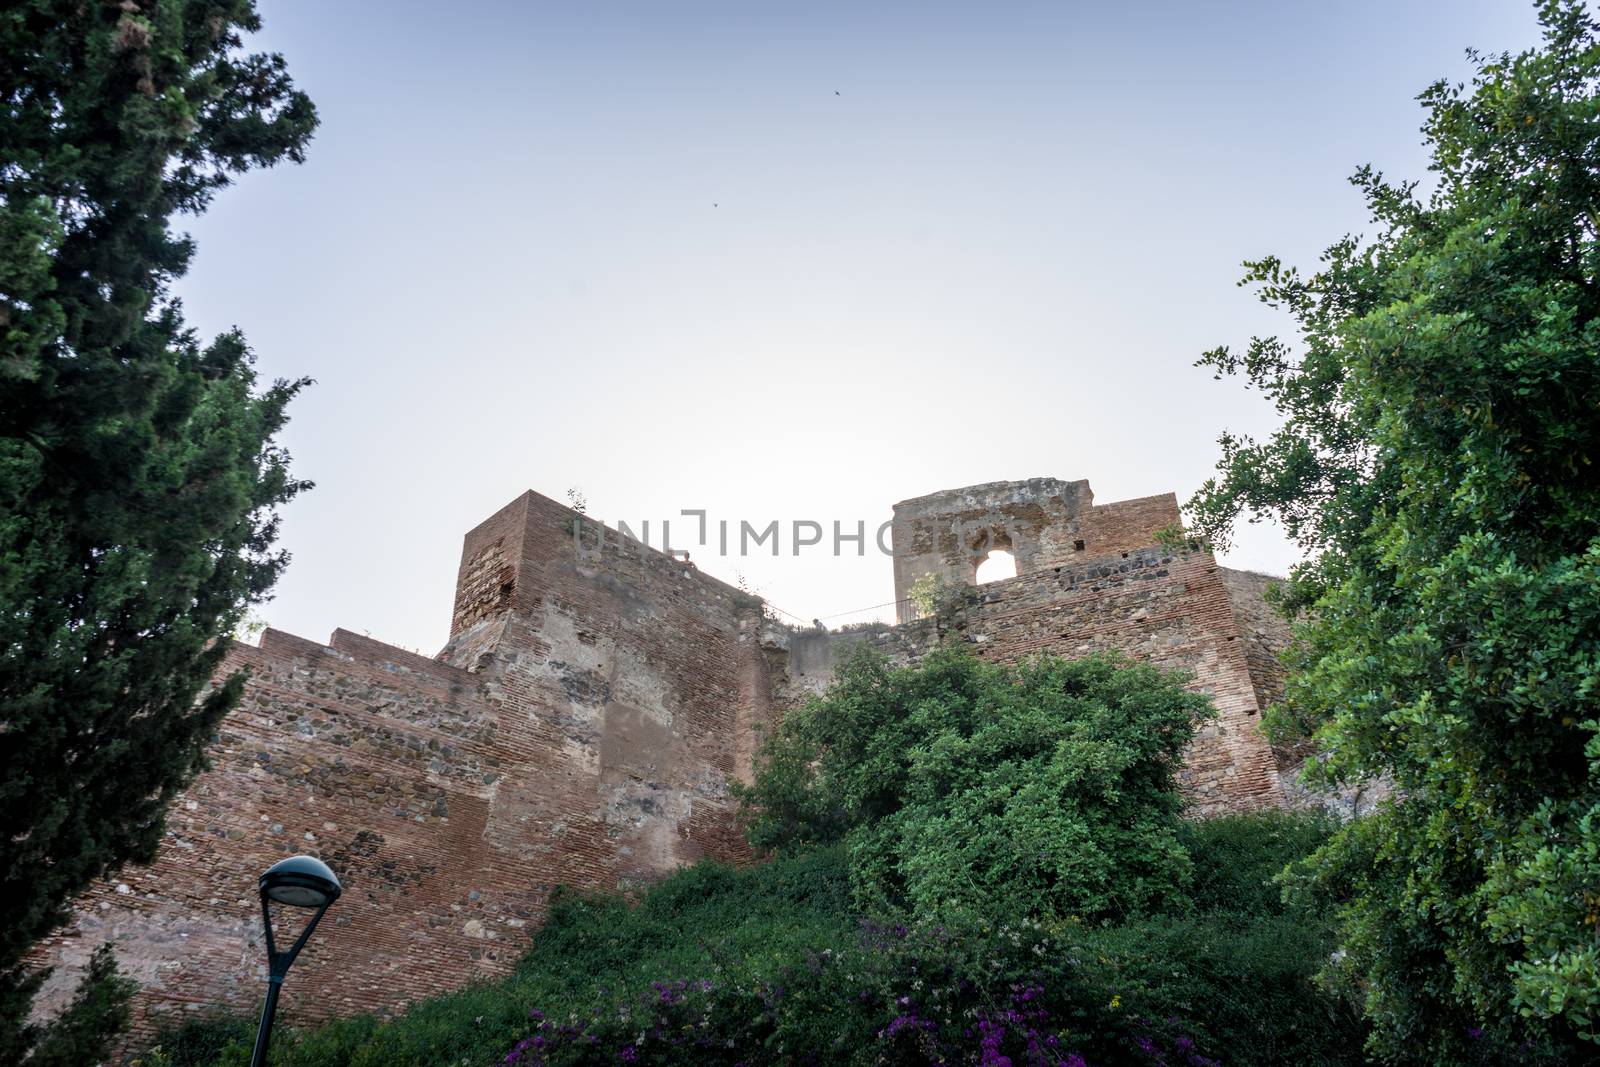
column 967, row 791
column 202, row 1041
column 1237, row 860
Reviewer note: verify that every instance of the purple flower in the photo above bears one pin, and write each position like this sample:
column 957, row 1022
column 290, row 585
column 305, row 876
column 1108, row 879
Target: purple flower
column 992, row 1034
column 904, row 1022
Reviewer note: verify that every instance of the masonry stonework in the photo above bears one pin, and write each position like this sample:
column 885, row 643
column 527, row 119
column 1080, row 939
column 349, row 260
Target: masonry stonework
column 582, row 726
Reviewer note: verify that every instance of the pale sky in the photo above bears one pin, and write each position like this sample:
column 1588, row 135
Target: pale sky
column 781, row 261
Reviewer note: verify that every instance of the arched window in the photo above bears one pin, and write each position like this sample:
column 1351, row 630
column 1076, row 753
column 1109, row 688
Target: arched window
column 997, row 565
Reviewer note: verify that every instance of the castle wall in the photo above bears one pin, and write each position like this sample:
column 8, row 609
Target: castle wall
column 635, row 675
column 946, row 535
column 582, row 726
column 1264, row 631
column 1173, row 609
column 382, row 762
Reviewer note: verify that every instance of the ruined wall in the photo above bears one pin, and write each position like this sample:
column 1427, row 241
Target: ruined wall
column 381, row 762
column 1265, row 632
column 582, row 725
column 1043, row 522
column 947, row 534
column 1097, row 582
column 638, row 679
column 580, row 728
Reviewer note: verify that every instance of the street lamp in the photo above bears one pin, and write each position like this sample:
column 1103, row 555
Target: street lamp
column 300, row 882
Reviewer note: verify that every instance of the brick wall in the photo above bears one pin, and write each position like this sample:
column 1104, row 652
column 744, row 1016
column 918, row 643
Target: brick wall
column 1170, row 609
column 1265, row 633
column 947, row 534
column 582, row 726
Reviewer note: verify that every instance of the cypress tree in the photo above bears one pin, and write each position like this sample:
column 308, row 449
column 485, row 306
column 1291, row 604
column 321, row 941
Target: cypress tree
column 138, row 471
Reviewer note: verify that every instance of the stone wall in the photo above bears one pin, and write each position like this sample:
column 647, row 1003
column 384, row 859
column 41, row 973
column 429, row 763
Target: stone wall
column 582, row 726
column 1265, row 632
column 1106, row 587
column 947, row 534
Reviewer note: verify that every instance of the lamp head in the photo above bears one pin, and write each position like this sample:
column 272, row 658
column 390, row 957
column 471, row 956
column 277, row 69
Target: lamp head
column 301, row 882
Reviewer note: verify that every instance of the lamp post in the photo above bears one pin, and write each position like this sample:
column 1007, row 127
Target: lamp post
column 300, row 882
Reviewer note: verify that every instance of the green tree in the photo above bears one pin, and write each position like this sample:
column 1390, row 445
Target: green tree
column 138, row 474
column 1437, row 459
column 965, row 790
column 98, row 1011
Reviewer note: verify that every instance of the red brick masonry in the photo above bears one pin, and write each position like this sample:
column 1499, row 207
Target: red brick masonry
column 582, row 727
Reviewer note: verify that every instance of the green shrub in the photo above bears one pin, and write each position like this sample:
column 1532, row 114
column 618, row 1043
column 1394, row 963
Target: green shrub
column 201, row 1041
column 1238, row 859
column 88, row 1027
column 1244, row 985
column 967, row 791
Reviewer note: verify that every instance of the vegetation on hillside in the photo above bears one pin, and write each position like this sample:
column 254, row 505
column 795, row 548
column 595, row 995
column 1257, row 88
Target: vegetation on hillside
column 138, row 473
column 1139, row 939
column 1439, row 460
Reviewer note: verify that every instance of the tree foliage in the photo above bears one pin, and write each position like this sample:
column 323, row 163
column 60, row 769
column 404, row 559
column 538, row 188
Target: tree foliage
column 1438, row 460
column 965, row 790
column 138, row 473
column 87, row 1027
